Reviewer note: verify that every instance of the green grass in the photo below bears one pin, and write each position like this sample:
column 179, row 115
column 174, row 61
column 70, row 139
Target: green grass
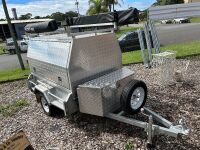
column 2, row 49
column 10, row 109
column 129, row 146
column 182, row 50
column 195, row 20
column 131, row 57
column 125, row 29
column 16, row 74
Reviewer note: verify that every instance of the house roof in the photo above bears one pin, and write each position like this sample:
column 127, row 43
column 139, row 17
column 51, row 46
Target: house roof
column 24, row 21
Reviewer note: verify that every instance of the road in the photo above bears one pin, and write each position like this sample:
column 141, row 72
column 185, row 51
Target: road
column 178, row 33
column 11, row 61
column 168, row 34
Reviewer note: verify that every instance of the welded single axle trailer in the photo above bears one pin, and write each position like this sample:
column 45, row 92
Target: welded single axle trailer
column 84, row 73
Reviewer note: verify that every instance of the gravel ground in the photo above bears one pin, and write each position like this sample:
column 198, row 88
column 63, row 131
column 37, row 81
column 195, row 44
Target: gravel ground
column 82, row 131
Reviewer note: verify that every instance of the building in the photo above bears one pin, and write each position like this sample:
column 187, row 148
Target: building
column 18, row 26
column 191, row 1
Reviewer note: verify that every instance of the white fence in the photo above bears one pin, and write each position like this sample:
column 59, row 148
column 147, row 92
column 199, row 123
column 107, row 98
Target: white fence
column 174, row 11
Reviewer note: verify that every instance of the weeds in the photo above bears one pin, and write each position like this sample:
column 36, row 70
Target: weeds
column 129, row 146
column 11, row 108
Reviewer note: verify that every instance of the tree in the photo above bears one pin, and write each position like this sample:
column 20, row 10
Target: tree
column 110, row 3
column 71, row 14
column 96, row 7
column 143, row 15
column 168, row 2
column 58, row 16
column 37, row 17
column 26, row 16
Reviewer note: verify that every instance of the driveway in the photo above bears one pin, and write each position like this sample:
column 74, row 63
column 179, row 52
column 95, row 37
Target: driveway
column 178, row 33
column 11, row 61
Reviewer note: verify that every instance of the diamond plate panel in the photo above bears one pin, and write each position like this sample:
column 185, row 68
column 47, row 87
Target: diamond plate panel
column 74, row 60
column 102, row 95
column 93, row 57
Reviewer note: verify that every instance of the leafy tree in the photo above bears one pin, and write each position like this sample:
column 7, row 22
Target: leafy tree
column 96, row 7
column 143, row 15
column 71, row 14
column 46, row 17
column 26, row 16
column 110, row 3
column 58, row 16
column 37, row 17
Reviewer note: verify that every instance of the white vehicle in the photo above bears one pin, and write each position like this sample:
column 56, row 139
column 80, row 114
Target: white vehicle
column 166, row 21
column 23, row 45
column 181, row 20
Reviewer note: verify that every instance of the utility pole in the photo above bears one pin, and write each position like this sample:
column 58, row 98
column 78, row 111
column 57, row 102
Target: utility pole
column 113, row 5
column 77, row 3
column 13, row 35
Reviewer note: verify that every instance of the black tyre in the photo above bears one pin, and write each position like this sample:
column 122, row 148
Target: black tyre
column 11, row 52
column 134, row 96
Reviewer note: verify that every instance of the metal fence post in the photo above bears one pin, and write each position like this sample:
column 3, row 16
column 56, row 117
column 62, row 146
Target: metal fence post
column 142, row 46
column 13, row 35
column 148, row 41
column 154, row 35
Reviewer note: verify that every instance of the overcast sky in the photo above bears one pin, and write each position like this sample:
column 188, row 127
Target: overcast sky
column 47, row 7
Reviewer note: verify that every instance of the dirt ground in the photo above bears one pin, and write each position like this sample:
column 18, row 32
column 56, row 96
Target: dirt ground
column 82, row 131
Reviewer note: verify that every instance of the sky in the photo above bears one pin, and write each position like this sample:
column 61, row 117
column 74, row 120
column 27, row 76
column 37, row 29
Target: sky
column 47, row 7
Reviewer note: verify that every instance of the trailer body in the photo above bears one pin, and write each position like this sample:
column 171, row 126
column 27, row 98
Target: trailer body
column 63, row 63
column 84, row 73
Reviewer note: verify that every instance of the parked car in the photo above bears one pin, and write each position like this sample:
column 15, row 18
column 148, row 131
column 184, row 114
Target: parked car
column 166, row 21
column 181, row 20
column 23, row 45
column 130, row 42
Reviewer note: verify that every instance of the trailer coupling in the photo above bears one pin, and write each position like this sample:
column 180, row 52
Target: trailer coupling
column 169, row 128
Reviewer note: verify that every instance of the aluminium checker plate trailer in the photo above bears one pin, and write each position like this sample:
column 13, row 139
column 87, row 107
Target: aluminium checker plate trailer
column 85, row 73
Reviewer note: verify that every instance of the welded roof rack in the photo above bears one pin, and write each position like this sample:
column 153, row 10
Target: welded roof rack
column 95, row 32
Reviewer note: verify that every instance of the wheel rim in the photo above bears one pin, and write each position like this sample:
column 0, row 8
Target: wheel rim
column 45, row 104
column 137, row 98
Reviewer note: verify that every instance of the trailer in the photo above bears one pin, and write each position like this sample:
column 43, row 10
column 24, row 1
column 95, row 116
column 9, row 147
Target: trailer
column 84, row 73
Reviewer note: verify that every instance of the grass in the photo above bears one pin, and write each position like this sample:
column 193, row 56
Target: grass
column 131, row 57
column 125, row 29
column 195, row 20
column 9, row 75
column 10, row 109
column 182, row 50
column 129, row 146
column 2, row 49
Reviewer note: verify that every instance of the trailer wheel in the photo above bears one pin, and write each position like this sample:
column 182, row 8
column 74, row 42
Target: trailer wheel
column 134, row 96
column 47, row 108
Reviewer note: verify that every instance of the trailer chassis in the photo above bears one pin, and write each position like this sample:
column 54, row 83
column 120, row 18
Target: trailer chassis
column 151, row 129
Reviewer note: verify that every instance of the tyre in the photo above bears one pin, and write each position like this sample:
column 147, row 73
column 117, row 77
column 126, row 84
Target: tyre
column 133, row 96
column 47, row 108
column 11, row 52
